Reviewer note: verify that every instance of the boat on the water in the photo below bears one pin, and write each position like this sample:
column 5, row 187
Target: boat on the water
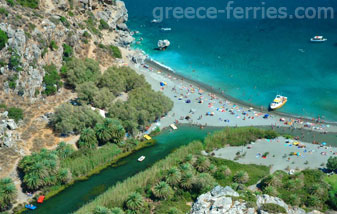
column 166, row 29
column 30, row 206
column 141, row 158
column 318, row 39
column 278, row 102
column 155, row 21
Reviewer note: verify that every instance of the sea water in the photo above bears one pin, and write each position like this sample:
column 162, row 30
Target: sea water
column 249, row 59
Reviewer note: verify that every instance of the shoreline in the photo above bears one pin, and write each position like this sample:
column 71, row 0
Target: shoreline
column 237, row 113
column 205, row 87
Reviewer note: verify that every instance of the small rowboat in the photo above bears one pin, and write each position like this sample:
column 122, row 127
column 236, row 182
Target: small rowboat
column 40, row 199
column 30, row 206
column 141, row 158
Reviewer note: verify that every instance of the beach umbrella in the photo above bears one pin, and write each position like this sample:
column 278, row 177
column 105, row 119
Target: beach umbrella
column 324, row 143
column 266, row 116
column 188, row 101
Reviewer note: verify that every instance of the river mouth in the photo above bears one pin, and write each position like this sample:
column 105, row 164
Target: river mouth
column 82, row 192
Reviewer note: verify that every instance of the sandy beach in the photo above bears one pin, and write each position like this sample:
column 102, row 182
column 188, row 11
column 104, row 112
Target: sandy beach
column 195, row 105
column 282, row 154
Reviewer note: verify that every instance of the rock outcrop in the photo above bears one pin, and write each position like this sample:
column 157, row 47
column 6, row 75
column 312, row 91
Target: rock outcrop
column 224, row 200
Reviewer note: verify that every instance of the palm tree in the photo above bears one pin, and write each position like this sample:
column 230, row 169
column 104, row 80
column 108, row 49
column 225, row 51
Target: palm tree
column 32, row 181
column 241, row 177
column 187, row 180
column 135, row 201
column 7, row 193
column 117, row 210
column 64, row 175
column 162, row 190
column 226, row 170
column 115, row 128
column 174, row 210
column 204, row 182
column 88, row 139
column 102, row 133
column 101, row 210
column 173, row 176
column 186, row 167
column 270, row 190
column 212, row 168
column 202, row 164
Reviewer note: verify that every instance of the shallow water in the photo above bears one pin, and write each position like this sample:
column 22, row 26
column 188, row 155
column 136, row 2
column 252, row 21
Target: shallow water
column 251, row 60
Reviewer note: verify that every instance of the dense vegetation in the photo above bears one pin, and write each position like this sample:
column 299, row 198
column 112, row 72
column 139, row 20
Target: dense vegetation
column 332, row 164
column 7, row 193
column 167, row 186
column 3, row 39
column 34, row 4
column 43, row 169
column 306, row 188
column 141, row 107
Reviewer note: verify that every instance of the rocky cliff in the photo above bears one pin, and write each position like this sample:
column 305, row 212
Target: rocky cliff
column 224, row 200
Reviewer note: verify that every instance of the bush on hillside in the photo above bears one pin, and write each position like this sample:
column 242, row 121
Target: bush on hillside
column 15, row 113
column 3, row 39
column 52, row 80
column 332, row 163
column 273, row 208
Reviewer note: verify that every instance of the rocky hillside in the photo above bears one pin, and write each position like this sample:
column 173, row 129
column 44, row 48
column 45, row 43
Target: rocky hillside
column 224, row 200
column 36, row 37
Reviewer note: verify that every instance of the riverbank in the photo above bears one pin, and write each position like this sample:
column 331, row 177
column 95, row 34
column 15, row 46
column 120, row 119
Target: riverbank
column 51, row 191
column 197, row 104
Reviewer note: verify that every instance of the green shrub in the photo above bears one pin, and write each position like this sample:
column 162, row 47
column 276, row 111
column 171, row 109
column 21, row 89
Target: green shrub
column 15, row 62
column 114, row 51
column 12, row 81
column 332, row 163
column 15, row 113
column 273, row 208
column 103, row 25
column 52, row 80
column 53, row 46
column 10, row 2
column 3, row 11
column 67, row 52
column 34, row 4
column 64, row 21
column 3, row 39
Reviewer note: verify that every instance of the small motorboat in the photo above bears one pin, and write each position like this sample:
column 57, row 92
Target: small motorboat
column 318, row 39
column 30, row 206
column 155, row 21
column 278, row 102
column 166, row 29
column 141, row 158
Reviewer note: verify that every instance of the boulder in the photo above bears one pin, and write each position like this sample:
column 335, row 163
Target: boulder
column 11, row 124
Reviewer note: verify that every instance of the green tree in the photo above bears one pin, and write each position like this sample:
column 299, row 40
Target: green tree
column 202, row 164
column 3, row 39
column 173, row 176
column 332, row 163
column 103, row 98
column 241, row 177
column 174, row 210
column 187, row 180
column 88, row 139
column 8, row 193
column 52, row 80
column 135, row 201
column 162, row 190
column 64, row 150
column 86, row 92
column 204, row 182
column 79, row 71
column 67, row 52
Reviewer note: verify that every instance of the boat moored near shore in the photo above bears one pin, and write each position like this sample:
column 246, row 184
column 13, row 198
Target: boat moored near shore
column 278, row 102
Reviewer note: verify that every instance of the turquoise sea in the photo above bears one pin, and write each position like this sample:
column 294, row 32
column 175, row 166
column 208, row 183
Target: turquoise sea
column 249, row 59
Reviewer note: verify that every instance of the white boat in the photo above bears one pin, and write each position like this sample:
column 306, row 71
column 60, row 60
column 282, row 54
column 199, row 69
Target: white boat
column 174, row 127
column 278, row 102
column 155, row 21
column 166, row 29
column 318, row 39
column 141, row 158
